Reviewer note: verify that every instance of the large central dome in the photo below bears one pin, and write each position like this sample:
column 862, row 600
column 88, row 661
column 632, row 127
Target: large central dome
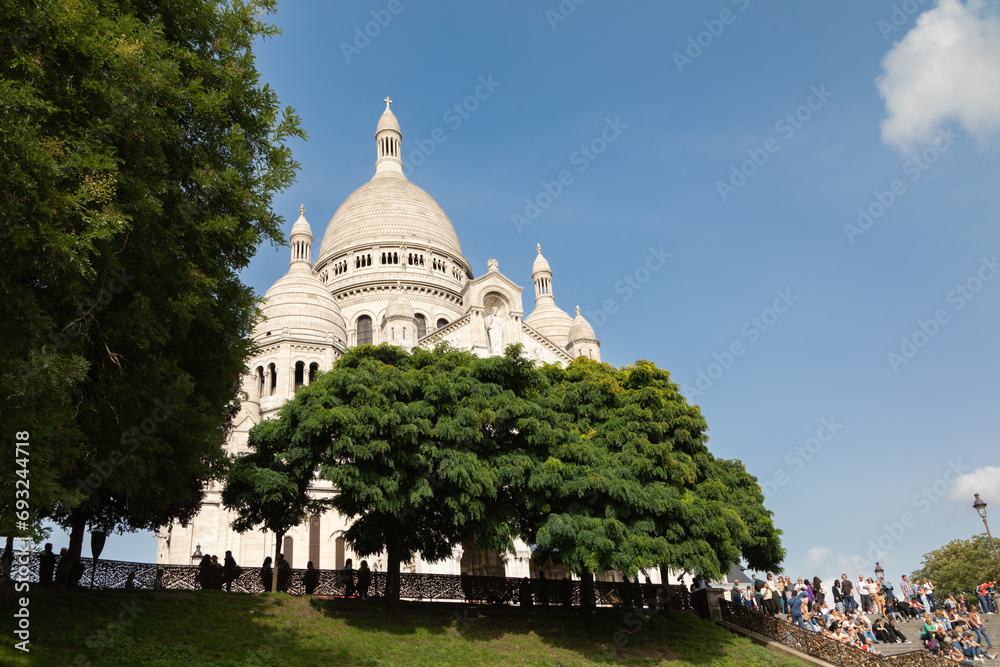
column 388, row 207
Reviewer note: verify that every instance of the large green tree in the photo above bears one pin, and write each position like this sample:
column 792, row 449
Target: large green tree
column 268, row 487
column 599, row 468
column 139, row 154
column 635, row 488
column 417, row 446
column 959, row 566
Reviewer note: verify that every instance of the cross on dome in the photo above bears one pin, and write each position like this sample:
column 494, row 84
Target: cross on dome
column 302, row 209
column 539, row 248
column 387, row 102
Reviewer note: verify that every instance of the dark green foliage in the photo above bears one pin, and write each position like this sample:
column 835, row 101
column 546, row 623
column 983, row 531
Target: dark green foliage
column 139, row 155
column 599, row 468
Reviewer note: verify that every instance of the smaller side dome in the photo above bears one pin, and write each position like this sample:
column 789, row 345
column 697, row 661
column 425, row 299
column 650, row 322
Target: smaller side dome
column 581, row 329
column 399, row 307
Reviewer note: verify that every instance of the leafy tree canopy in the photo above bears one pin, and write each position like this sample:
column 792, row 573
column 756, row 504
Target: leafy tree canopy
column 634, row 487
column 958, row 567
column 599, row 468
column 139, row 155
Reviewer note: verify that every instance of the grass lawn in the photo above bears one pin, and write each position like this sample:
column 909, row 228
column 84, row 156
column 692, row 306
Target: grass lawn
column 214, row 628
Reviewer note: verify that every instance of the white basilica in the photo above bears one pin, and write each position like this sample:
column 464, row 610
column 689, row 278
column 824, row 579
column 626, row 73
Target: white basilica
column 389, row 270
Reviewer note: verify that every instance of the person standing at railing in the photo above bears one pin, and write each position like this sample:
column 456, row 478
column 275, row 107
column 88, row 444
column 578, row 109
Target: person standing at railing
column 364, row 580
column 230, row 571
column 46, row 564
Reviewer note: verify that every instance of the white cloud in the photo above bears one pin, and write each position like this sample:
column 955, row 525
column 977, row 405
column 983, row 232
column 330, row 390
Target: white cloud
column 984, row 481
column 946, row 69
column 816, row 557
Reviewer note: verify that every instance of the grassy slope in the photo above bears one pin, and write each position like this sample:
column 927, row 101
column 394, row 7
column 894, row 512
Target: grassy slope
column 213, row 628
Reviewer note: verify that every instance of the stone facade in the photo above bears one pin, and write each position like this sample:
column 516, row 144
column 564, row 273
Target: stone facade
column 389, row 269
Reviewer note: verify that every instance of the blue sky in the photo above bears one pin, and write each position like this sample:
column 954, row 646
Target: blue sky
column 823, row 176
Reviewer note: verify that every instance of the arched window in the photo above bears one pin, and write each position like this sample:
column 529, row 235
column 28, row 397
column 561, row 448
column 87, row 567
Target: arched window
column 421, row 326
column 364, row 330
column 286, row 549
column 442, row 323
column 300, row 372
column 273, row 375
column 260, row 381
column 313, row 372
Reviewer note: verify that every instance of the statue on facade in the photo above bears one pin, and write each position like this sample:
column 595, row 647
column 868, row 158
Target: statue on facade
column 494, row 331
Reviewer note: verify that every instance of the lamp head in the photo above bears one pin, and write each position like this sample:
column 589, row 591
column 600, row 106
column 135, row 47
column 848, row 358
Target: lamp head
column 980, row 507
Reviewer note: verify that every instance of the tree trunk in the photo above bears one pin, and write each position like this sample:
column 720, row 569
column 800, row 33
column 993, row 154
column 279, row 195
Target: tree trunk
column 666, row 595
column 78, row 527
column 278, row 537
column 394, row 557
column 588, row 600
column 8, row 558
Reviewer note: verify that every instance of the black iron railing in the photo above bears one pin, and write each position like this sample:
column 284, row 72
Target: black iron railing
column 111, row 574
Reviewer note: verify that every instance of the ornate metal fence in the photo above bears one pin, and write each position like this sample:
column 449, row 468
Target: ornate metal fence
column 820, row 646
column 430, row 587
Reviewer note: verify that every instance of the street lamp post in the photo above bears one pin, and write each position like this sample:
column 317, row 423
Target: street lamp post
column 879, row 572
column 980, row 507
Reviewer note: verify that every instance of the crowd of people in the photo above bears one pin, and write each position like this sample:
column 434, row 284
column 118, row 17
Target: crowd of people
column 866, row 612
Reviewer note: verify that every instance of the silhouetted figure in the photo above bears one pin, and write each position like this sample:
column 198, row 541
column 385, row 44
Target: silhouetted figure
column 230, row 571
column 266, row 575
column 311, row 578
column 46, row 564
column 130, row 580
column 364, row 580
column 349, row 590
column 284, row 573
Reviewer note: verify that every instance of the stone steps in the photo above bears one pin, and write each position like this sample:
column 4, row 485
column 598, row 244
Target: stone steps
column 911, row 629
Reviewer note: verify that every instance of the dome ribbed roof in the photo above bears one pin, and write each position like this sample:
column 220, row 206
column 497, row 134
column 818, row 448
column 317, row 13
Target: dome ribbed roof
column 299, row 302
column 551, row 321
column 389, row 207
column 540, row 264
column 387, row 122
column 581, row 328
column 399, row 305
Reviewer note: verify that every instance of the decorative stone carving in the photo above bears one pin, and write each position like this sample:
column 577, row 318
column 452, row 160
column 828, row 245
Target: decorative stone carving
column 494, row 331
column 493, row 265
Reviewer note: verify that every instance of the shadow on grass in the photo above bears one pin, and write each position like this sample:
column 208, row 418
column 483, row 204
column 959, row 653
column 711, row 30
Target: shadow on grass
column 217, row 629
column 602, row 636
